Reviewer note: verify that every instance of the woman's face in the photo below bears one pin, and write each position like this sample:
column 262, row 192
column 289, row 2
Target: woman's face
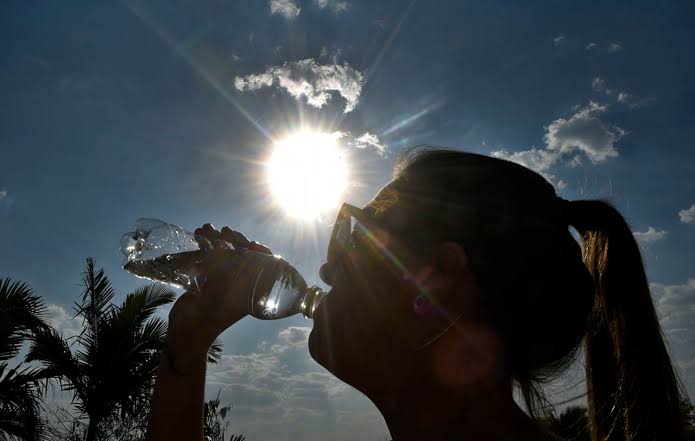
column 366, row 330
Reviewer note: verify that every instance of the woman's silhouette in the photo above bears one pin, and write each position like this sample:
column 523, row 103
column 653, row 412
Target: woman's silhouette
column 458, row 281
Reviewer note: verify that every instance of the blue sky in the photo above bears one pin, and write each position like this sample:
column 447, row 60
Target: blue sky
column 113, row 111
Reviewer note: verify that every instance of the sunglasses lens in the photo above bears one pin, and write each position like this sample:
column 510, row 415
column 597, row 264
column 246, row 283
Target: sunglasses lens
column 343, row 231
column 342, row 234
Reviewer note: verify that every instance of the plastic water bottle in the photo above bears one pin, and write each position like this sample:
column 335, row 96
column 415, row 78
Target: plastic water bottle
column 163, row 252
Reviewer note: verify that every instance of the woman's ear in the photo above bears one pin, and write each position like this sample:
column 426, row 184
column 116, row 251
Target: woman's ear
column 457, row 290
column 451, row 259
column 442, row 276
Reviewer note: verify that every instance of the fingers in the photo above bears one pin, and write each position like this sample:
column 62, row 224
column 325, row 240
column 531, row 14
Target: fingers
column 228, row 235
column 206, row 236
column 255, row 246
column 208, row 231
column 237, row 239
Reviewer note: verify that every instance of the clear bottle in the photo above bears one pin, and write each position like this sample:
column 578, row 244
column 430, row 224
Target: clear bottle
column 163, row 252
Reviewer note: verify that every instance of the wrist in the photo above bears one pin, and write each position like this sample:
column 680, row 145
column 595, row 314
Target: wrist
column 183, row 357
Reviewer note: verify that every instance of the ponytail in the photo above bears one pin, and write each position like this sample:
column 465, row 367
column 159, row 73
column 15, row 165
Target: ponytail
column 633, row 390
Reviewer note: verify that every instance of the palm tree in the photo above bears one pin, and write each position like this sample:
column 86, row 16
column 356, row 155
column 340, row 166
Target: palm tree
column 21, row 314
column 215, row 424
column 571, row 424
column 111, row 372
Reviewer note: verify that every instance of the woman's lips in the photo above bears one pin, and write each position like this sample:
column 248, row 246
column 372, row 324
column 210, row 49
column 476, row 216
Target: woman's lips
column 320, row 304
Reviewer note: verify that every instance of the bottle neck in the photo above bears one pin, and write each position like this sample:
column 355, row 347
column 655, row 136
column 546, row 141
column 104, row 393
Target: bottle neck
column 310, row 300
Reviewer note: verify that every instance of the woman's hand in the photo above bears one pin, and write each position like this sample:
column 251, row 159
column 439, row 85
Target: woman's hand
column 196, row 319
column 199, row 317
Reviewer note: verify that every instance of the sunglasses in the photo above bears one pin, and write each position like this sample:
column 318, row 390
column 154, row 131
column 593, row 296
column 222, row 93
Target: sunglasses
column 356, row 228
column 350, row 222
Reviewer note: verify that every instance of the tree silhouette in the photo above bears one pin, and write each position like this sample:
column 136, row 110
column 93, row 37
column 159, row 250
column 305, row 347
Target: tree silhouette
column 215, row 424
column 571, row 424
column 111, row 373
column 688, row 411
column 21, row 314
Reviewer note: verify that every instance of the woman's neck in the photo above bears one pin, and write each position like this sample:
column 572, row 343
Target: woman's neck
column 440, row 415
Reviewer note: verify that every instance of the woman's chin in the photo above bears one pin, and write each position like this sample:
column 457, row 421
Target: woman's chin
column 322, row 349
column 319, row 349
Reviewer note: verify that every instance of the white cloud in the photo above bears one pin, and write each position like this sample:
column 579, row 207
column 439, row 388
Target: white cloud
column 598, row 84
column 336, row 6
column 574, row 162
column 584, row 132
column 687, row 215
column 615, row 47
column 5, row 199
column 333, row 54
column 253, row 82
column 536, row 159
column 558, row 40
column 279, row 393
column 369, row 140
column 675, row 307
column 63, row 322
column 649, row 236
column 291, row 338
column 604, row 48
column 566, row 138
column 307, row 78
column 286, row 8
column 365, row 141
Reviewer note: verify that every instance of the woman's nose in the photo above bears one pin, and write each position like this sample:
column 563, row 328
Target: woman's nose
column 325, row 274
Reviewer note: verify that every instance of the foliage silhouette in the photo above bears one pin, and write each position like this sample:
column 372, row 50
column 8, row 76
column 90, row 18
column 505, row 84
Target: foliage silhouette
column 21, row 314
column 111, row 372
column 571, row 424
column 215, row 424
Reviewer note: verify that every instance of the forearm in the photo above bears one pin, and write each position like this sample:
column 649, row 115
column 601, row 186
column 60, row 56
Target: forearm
column 176, row 411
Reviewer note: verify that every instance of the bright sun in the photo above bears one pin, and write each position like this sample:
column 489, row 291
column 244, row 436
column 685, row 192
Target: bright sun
column 307, row 173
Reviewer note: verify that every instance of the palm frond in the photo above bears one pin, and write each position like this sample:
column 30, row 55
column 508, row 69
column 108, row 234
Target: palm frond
column 20, row 403
column 21, row 312
column 11, row 340
column 151, row 336
column 140, row 305
column 53, row 352
column 111, row 371
column 96, row 297
column 16, row 297
column 215, row 352
column 94, row 308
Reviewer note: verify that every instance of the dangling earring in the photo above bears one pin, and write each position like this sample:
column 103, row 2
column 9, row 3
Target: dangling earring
column 421, row 304
column 424, row 307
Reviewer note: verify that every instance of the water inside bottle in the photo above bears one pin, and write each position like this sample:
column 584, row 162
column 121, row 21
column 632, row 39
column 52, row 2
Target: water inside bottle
column 287, row 296
column 166, row 253
column 153, row 238
column 179, row 270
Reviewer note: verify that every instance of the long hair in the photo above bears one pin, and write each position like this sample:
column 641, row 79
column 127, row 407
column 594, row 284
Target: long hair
column 634, row 391
column 545, row 294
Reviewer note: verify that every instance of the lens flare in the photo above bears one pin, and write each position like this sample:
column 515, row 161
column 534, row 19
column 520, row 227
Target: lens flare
column 307, row 173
